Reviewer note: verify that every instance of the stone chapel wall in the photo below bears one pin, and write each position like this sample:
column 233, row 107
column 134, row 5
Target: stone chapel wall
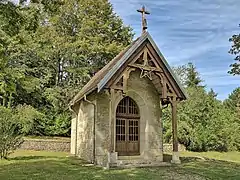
column 85, row 130
column 144, row 93
column 102, row 129
column 147, row 98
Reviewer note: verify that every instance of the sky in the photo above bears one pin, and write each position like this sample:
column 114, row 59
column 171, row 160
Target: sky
column 196, row 31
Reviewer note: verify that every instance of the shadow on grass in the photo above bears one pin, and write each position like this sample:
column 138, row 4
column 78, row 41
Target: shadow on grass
column 71, row 168
column 168, row 158
column 25, row 158
column 207, row 168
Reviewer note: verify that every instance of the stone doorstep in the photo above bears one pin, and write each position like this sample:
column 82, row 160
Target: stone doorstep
column 139, row 163
column 163, row 164
column 129, row 157
column 135, row 164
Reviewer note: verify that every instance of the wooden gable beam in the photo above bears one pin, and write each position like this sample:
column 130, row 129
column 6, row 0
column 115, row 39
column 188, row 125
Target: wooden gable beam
column 132, row 58
column 168, row 78
column 169, row 87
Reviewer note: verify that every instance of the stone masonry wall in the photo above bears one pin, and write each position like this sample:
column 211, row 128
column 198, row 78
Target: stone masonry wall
column 60, row 145
column 144, row 93
column 102, row 129
column 56, row 145
column 85, row 129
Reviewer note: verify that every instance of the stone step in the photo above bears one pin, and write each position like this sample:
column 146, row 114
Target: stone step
column 139, row 163
column 132, row 164
column 129, row 157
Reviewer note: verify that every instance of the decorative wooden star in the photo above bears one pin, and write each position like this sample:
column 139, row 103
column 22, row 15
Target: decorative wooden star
column 146, row 73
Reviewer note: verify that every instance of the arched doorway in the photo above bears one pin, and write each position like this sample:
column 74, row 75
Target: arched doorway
column 127, row 128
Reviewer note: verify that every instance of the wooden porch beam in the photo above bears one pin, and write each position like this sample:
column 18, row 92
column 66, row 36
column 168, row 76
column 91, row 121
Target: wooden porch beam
column 147, row 68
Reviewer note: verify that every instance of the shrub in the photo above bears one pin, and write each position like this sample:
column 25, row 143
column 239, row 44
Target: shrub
column 10, row 133
column 28, row 118
column 60, row 125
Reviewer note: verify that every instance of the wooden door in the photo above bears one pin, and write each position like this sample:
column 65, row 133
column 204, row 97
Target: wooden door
column 127, row 128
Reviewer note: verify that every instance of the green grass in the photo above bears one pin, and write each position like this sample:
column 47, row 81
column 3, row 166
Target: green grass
column 33, row 165
column 225, row 156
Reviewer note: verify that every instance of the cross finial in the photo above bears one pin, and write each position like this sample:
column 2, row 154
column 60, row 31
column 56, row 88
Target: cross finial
column 144, row 20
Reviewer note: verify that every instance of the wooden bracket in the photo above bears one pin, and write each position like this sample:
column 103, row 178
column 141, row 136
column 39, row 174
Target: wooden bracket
column 164, row 85
column 126, row 75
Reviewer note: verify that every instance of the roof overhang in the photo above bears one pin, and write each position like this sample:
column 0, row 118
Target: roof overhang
column 126, row 56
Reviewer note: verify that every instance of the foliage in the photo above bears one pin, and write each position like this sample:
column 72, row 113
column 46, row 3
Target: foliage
column 10, row 133
column 235, row 50
column 188, row 75
column 204, row 123
column 28, row 117
column 233, row 100
column 48, row 50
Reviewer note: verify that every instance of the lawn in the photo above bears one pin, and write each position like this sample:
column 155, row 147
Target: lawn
column 33, row 165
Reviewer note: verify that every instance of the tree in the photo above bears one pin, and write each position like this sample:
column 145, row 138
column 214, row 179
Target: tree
column 235, row 50
column 193, row 79
column 233, row 99
column 15, row 76
column 51, row 49
column 204, row 123
column 188, row 75
column 233, row 102
column 84, row 36
column 212, row 93
column 27, row 118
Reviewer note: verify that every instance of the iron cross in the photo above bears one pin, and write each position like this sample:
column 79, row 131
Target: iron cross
column 144, row 20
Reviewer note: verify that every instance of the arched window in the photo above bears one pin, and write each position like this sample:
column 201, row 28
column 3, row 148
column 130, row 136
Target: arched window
column 127, row 107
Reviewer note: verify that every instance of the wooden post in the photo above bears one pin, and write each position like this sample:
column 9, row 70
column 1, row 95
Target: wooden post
column 174, row 125
column 175, row 155
column 112, row 156
column 112, row 118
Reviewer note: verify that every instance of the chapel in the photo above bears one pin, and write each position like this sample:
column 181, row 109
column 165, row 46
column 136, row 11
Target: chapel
column 118, row 113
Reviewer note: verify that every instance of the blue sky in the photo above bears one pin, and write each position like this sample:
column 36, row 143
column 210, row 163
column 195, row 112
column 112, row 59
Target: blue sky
column 194, row 31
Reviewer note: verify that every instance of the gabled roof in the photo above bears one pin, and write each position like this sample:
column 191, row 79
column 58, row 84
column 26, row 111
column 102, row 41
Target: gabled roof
column 101, row 78
column 93, row 83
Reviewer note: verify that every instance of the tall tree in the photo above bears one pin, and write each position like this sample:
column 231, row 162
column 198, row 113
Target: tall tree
column 193, row 78
column 188, row 75
column 51, row 49
column 12, row 74
column 233, row 100
column 204, row 122
column 73, row 43
column 235, row 50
